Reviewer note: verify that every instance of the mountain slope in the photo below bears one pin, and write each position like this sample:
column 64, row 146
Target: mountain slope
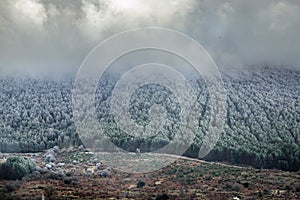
column 262, row 124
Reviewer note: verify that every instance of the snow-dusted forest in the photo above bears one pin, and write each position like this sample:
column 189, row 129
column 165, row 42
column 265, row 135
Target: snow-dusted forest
column 262, row 123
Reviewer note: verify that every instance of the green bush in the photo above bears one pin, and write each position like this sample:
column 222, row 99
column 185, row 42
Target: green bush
column 236, row 187
column 140, row 184
column 17, row 167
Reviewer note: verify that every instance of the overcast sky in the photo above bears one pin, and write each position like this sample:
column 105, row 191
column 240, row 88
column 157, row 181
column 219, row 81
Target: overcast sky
column 53, row 36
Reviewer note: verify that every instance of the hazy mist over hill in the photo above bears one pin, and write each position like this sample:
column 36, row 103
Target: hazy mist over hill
column 43, row 37
column 149, row 99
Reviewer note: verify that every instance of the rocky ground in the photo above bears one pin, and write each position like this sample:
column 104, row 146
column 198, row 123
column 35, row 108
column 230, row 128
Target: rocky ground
column 75, row 173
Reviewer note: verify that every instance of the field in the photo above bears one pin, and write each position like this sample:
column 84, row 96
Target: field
column 186, row 178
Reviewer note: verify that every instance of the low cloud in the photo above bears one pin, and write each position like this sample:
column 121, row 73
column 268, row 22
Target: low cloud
column 53, row 37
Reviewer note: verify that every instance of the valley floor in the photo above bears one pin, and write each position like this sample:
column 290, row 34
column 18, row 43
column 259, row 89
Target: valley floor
column 77, row 178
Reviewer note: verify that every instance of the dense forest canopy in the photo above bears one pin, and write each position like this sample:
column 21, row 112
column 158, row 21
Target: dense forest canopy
column 262, row 124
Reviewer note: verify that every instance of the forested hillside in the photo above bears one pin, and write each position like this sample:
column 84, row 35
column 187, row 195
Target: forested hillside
column 262, row 124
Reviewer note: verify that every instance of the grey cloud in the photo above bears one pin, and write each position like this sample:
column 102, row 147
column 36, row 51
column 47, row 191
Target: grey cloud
column 250, row 32
column 53, row 37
